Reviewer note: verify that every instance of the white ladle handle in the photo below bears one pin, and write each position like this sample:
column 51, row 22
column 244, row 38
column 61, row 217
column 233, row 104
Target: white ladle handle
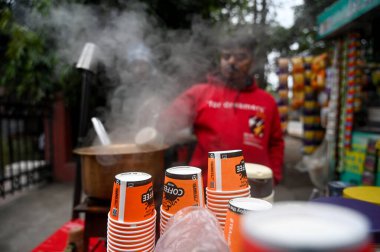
column 100, row 131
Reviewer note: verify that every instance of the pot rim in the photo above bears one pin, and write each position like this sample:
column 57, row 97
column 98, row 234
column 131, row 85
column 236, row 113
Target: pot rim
column 117, row 149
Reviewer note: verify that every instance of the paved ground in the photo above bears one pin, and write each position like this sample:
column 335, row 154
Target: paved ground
column 30, row 217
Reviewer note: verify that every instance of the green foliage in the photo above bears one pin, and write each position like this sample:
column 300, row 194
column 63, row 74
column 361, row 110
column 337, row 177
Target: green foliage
column 23, row 57
column 31, row 64
column 304, row 30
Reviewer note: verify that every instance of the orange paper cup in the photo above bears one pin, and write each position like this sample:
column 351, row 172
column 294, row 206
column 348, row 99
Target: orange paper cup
column 132, row 197
column 148, row 247
column 227, row 193
column 236, row 208
column 227, row 197
column 222, row 220
column 135, row 229
column 162, row 227
column 130, row 232
column 130, row 242
column 213, row 201
column 133, row 225
column 168, row 215
column 163, row 221
column 125, row 235
column 127, row 244
column 183, row 187
column 221, row 215
column 217, row 206
column 226, row 171
column 217, row 210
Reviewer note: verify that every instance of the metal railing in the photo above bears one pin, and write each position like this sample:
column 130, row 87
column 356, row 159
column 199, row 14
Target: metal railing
column 25, row 146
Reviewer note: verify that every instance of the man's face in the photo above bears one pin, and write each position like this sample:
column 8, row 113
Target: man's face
column 235, row 65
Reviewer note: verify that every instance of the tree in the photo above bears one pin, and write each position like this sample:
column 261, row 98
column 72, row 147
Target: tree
column 32, row 71
column 304, row 30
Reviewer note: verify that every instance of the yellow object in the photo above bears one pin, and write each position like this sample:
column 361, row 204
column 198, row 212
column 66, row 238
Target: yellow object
column 283, row 94
column 283, row 79
column 310, row 119
column 370, row 194
column 283, row 109
column 310, row 104
column 298, row 79
column 297, row 63
column 283, row 63
column 309, row 134
column 309, row 149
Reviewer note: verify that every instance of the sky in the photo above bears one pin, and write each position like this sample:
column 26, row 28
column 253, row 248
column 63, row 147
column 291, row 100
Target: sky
column 285, row 17
column 284, row 12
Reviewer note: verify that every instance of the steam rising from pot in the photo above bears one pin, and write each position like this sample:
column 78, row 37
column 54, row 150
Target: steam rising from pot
column 146, row 65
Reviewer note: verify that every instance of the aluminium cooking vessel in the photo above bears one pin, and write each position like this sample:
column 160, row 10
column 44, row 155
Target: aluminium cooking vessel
column 100, row 164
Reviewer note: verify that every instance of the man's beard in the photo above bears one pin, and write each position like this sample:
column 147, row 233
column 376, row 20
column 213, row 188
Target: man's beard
column 238, row 82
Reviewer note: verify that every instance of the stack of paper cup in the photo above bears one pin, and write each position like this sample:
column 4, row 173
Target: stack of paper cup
column 183, row 187
column 236, row 208
column 132, row 217
column 227, row 179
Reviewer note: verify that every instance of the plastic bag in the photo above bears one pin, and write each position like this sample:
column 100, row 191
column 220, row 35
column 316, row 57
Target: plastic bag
column 316, row 165
column 192, row 229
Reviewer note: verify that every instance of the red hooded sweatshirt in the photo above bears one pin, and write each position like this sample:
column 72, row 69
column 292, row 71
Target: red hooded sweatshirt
column 224, row 118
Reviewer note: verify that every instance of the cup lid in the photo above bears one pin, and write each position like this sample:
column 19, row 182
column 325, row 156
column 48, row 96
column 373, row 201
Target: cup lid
column 184, row 170
column 133, row 176
column 243, row 205
column 258, row 171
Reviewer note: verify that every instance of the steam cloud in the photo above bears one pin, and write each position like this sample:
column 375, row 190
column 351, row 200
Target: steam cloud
column 176, row 59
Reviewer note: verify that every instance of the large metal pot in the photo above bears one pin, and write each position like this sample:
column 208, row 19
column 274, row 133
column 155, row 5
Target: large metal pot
column 100, row 164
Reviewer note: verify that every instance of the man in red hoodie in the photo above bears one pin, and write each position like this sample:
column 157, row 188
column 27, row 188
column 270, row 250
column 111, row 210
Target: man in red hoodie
column 230, row 111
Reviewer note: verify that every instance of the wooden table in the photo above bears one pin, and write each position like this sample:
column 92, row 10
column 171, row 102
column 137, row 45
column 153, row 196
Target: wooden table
column 95, row 221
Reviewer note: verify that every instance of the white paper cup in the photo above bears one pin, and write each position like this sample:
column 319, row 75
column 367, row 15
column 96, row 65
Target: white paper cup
column 307, row 226
column 244, row 205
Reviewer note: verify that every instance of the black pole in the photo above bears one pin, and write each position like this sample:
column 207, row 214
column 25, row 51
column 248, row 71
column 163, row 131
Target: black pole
column 83, row 120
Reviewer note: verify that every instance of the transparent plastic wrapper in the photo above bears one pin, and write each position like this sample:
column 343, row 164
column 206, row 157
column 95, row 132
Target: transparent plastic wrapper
column 317, row 166
column 192, row 229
